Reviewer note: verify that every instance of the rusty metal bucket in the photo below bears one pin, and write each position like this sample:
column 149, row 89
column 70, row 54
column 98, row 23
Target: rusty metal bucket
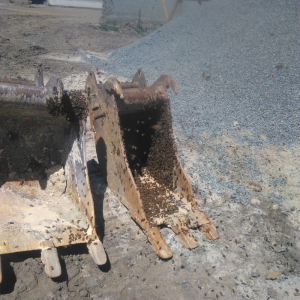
column 45, row 195
column 137, row 154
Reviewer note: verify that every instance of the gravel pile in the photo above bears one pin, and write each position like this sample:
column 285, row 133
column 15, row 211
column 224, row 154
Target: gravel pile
column 236, row 64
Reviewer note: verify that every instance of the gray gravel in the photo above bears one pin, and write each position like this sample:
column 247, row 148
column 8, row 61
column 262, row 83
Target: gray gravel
column 236, row 64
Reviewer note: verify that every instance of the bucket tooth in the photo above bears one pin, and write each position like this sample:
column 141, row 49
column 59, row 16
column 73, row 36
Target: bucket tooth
column 45, row 195
column 209, row 231
column 158, row 244
column 140, row 79
column 166, row 81
column 184, row 235
column 51, row 261
column 39, row 77
column 138, row 158
column 97, row 252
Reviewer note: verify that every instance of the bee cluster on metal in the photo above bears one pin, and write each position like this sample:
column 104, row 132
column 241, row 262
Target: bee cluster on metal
column 73, row 105
column 149, row 145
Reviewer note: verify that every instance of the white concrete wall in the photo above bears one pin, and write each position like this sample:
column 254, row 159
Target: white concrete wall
column 151, row 10
column 77, row 3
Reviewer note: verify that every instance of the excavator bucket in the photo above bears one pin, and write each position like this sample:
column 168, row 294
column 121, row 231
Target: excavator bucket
column 137, row 154
column 45, row 195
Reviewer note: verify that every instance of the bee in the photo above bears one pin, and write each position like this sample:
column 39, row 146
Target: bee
column 156, row 127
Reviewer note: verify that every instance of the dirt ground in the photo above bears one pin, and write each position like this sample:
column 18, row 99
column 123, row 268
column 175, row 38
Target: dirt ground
column 256, row 256
column 53, row 36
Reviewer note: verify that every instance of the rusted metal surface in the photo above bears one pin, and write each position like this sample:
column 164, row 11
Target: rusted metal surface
column 45, row 195
column 138, row 81
column 129, row 85
column 17, row 81
column 135, row 99
column 29, row 94
column 138, row 158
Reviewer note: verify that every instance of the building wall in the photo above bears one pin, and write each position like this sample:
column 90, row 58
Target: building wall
column 151, row 10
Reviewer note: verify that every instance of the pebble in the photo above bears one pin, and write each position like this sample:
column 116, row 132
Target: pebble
column 254, row 201
column 272, row 276
column 77, row 263
column 84, row 293
column 255, row 273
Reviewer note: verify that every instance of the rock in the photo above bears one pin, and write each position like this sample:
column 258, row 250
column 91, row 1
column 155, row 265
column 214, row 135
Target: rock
column 92, row 283
column 77, row 263
column 84, row 293
column 272, row 293
column 293, row 208
column 254, row 201
column 255, row 273
column 272, row 276
column 235, row 124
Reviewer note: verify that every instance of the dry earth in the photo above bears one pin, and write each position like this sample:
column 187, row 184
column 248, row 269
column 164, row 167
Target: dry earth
column 255, row 241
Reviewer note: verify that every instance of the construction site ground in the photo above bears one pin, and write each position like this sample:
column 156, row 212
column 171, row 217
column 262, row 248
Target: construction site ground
column 257, row 254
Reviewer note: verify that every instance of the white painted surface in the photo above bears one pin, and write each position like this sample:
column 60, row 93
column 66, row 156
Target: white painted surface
column 77, row 3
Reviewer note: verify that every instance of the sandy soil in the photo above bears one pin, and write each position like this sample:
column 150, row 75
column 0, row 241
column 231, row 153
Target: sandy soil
column 256, row 256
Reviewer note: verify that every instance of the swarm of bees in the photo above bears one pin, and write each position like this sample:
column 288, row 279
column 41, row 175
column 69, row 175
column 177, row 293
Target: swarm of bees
column 73, row 105
column 150, row 150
